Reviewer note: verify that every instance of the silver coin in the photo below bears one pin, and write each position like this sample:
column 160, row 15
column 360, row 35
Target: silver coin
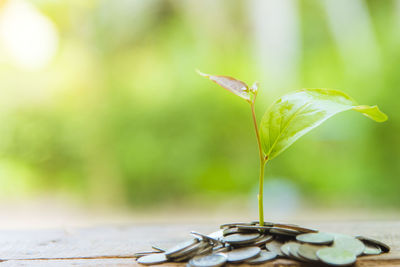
column 188, row 252
column 217, row 235
column 296, row 227
column 383, row 246
column 205, row 237
column 372, row 249
column 284, row 231
column 184, row 257
column 205, row 251
column 180, row 247
column 262, row 240
column 265, row 223
column 212, row 260
column 275, row 246
column 242, row 254
column 234, row 230
column 264, row 256
column 201, row 249
column 158, row 248
column 349, row 243
column 290, row 250
column 336, row 256
column 316, row 238
column 230, row 225
column 144, row 253
column 294, row 252
column 221, row 249
column 309, row 251
column 151, row 259
column 255, row 227
column 241, row 238
column 285, row 249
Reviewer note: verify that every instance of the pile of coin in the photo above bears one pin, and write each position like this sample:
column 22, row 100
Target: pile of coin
column 254, row 244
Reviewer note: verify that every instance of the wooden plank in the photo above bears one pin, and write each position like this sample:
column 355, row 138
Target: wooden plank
column 131, row 262
column 105, row 246
column 75, row 262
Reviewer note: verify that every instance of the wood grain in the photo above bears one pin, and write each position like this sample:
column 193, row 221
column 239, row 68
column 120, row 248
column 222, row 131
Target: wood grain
column 115, row 245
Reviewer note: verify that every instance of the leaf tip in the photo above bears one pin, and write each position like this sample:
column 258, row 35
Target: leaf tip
column 202, row 73
column 372, row 112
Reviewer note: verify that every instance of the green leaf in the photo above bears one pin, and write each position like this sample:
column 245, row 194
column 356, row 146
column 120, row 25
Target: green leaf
column 237, row 87
column 297, row 113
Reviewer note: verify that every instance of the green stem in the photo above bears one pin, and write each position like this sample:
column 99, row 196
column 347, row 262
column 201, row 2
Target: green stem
column 260, row 193
column 263, row 161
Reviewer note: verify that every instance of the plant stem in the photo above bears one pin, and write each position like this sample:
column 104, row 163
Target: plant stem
column 260, row 193
column 263, row 161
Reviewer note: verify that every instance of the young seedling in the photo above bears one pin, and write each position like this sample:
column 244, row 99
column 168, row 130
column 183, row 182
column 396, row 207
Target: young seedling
column 290, row 117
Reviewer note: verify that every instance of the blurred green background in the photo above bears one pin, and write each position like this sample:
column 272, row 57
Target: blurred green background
column 100, row 102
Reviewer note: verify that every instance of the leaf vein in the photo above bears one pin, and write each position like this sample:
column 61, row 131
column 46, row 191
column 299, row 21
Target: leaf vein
column 287, row 125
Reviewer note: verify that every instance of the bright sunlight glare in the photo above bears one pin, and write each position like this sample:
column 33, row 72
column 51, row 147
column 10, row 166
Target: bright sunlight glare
column 28, row 37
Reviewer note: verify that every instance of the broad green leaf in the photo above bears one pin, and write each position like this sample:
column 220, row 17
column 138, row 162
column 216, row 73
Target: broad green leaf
column 231, row 84
column 297, row 113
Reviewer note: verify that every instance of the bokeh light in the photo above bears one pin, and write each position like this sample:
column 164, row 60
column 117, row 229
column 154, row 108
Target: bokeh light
column 101, row 107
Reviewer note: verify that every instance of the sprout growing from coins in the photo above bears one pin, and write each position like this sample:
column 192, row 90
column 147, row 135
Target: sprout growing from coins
column 290, row 117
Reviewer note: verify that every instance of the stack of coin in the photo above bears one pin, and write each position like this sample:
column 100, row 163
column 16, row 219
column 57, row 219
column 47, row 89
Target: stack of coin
column 254, row 244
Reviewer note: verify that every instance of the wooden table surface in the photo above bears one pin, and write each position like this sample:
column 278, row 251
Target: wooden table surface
column 115, row 245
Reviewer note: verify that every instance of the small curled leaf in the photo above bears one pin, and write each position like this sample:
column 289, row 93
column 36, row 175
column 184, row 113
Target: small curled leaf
column 237, row 87
column 295, row 114
column 254, row 87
